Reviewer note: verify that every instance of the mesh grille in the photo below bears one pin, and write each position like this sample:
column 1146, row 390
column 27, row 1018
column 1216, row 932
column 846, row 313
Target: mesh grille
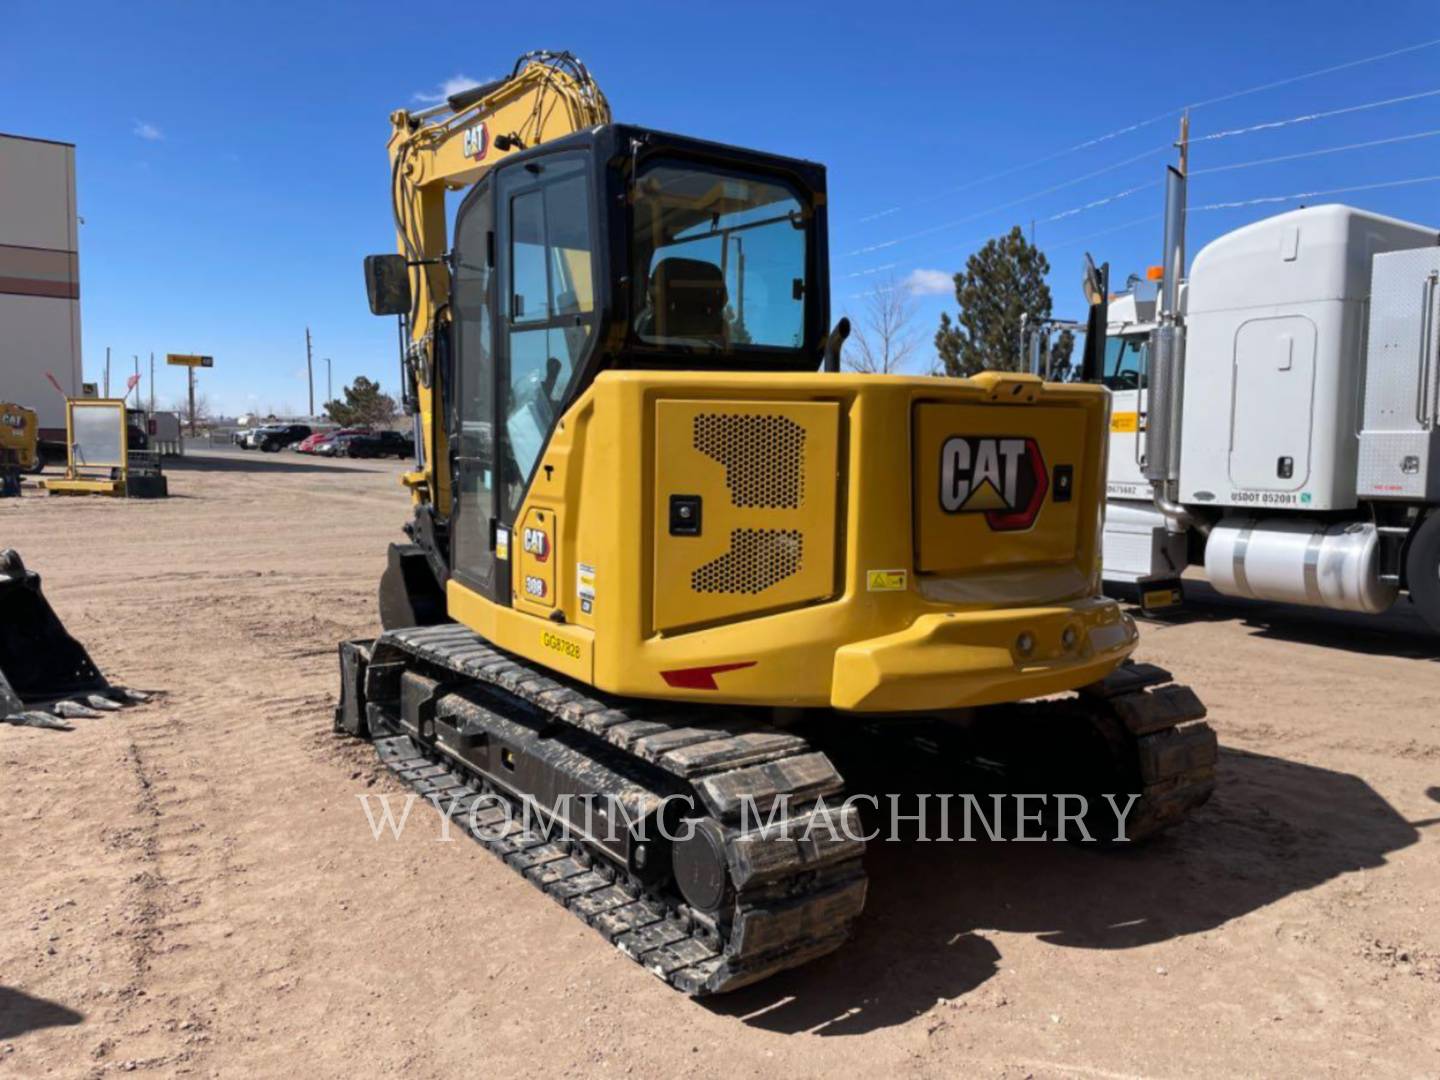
column 763, row 456
column 757, row 559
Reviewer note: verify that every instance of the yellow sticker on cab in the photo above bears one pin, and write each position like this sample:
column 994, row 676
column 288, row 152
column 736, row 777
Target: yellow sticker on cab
column 885, row 580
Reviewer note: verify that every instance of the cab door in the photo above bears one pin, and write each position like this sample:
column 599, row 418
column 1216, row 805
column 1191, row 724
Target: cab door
column 472, row 421
column 546, row 319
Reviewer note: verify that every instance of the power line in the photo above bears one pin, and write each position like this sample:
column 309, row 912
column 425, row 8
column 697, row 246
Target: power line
column 1125, row 193
column 1316, row 153
column 1138, row 125
column 1103, row 232
column 1315, row 194
column 1005, row 205
column 1307, row 117
column 1311, row 75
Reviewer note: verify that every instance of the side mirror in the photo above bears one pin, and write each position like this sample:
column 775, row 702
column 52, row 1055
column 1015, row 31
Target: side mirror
column 1097, row 295
column 387, row 284
column 1093, row 283
column 834, row 342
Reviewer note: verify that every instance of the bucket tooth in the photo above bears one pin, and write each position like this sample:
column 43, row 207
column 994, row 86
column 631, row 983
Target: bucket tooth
column 101, row 702
column 36, row 718
column 73, row 710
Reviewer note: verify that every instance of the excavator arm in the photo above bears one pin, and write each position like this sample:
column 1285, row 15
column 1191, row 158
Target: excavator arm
column 447, row 148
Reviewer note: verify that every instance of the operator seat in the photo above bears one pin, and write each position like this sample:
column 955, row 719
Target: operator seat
column 687, row 299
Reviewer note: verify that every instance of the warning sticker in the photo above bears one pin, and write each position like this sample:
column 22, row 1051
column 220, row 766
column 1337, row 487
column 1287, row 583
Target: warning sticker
column 585, row 586
column 1125, row 421
column 502, row 543
column 885, row 580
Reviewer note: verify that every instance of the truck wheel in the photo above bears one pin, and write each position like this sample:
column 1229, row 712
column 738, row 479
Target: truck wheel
column 1422, row 570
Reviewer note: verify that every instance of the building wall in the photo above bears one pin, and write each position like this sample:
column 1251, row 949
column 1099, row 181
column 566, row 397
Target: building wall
column 39, row 277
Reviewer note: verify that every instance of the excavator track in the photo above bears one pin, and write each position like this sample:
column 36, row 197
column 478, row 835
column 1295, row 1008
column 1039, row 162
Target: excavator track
column 1157, row 738
column 437, row 700
column 791, row 883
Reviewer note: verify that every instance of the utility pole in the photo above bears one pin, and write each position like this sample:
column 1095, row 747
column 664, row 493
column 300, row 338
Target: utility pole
column 1184, row 143
column 309, row 371
column 152, row 383
column 107, row 371
column 329, row 386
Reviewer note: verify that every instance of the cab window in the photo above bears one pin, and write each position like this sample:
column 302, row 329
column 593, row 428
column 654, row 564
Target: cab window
column 1126, row 362
column 721, row 258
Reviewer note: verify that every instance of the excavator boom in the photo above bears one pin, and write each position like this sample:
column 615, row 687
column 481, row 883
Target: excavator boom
column 449, row 147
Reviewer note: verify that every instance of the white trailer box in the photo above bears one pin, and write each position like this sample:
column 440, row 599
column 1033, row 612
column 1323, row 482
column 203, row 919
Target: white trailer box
column 39, row 278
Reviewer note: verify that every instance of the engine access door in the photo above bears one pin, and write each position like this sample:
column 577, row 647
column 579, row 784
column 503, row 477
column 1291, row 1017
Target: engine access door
column 745, row 508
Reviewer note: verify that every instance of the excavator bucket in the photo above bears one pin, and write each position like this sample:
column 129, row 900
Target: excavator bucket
column 46, row 676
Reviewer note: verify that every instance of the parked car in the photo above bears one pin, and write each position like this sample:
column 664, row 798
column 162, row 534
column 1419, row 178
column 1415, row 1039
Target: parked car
column 239, row 436
column 272, row 437
column 381, row 444
column 334, row 445
column 308, row 444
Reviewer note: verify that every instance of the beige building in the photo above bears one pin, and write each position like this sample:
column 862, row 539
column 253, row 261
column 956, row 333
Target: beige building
column 39, row 278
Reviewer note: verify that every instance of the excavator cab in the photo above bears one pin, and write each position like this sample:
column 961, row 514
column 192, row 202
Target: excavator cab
column 613, row 248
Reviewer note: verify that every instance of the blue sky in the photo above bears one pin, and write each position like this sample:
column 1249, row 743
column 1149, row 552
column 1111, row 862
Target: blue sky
column 232, row 166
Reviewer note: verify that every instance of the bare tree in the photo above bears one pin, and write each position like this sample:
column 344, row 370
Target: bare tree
column 884, row 337
column 181, row 407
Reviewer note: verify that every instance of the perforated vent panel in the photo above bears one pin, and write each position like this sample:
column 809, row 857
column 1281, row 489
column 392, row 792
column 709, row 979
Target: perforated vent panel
column 763, row 456
column 757, row 559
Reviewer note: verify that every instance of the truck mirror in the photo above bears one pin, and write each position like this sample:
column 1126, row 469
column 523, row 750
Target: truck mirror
column 387, row 284
column 1092, row 284
column 1097, row 295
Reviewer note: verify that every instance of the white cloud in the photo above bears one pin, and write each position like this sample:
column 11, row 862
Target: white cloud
column 143, row 129
column 452, row 85
column 929, row 282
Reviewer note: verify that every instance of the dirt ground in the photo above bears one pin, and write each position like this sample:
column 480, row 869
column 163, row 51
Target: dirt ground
column 191, row 887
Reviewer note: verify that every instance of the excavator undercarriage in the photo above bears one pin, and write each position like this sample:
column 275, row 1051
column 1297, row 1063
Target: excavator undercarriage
column 735, row 853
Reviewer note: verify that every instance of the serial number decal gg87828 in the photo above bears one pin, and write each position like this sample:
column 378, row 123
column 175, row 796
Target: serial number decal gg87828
column 556, row 643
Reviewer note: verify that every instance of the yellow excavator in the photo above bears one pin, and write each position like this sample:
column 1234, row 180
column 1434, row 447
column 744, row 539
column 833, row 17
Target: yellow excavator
column 662, row 548
column 19, row 446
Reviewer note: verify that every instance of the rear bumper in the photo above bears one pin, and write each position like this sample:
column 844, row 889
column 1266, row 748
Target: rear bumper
column 962, row 659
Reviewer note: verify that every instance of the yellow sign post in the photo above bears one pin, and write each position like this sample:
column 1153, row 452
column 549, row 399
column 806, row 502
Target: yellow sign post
column 191, row 361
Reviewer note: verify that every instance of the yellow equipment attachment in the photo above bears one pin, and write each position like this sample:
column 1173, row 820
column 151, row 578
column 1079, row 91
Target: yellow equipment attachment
column 19, row 445
column 100, row 460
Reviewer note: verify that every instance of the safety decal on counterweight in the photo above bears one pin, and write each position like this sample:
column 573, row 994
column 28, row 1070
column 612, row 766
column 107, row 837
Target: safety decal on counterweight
column 885, row 580
column 585, row 586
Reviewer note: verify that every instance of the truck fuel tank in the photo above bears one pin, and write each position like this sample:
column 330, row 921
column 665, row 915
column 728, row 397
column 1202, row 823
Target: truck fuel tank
column 1299, row 561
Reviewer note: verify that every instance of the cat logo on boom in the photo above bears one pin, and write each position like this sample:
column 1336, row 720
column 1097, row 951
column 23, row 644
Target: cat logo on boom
column 1003, row 477
column 476, row 141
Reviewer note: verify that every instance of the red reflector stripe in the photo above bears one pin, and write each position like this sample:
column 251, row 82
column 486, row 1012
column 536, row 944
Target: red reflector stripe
column 700, row 678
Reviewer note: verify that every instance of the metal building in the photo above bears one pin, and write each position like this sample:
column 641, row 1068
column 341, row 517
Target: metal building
column 39, row 278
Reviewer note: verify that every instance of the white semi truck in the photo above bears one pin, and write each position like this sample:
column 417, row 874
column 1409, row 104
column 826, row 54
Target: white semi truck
column 1276, row 415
